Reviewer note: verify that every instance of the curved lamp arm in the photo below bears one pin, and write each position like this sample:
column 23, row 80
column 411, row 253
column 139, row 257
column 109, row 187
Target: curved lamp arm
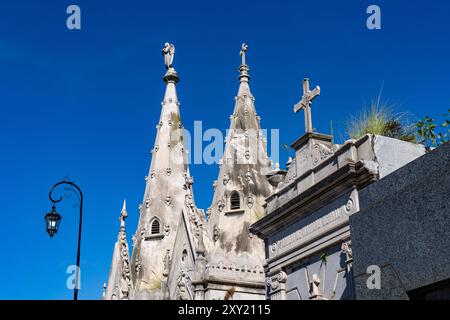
column 53, row 200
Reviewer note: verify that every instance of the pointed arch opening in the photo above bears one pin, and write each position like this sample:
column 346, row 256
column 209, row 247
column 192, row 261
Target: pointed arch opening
column 155, row 226
column 235, row 201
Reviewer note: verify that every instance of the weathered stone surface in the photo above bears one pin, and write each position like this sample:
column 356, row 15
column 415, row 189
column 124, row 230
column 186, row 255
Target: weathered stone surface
column 404, row 223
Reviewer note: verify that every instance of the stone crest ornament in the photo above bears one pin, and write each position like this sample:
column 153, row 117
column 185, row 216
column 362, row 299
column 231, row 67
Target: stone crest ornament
column 168, row 53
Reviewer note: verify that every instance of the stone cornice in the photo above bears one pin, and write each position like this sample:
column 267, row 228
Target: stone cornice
column 352, row 175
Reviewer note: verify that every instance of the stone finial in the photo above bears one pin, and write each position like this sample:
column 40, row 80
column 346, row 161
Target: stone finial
column 123, row 214
column 243, row 68
column 244, row 49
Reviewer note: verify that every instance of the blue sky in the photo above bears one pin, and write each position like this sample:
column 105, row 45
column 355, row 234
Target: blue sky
column 85, row 103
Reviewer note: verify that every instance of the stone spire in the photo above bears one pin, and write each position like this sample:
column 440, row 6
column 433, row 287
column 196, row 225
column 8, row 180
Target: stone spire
column 119, row 282
column 241, row 186
column 168, row 191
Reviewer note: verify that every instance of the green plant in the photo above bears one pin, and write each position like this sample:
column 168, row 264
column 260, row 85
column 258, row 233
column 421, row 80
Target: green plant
column 379, row 119
column 428, row 131
column 323, row 258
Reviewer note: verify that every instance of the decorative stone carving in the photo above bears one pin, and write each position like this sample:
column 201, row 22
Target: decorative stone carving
column 248, row 176
column 226, row 178
column 138, row 266
column 182, row 290
column 189, row 180
column 188, row 201
column 168, row 171
column 216, row 233
column 349, row 205
column 166, row 230
column 168, row 53
column 247, row 154
column 148, row 201
column 314, row 287
column 320, row 153
column 221, row 205
column 249, row 201
column 142, row 234
column 168, row 200
column 166, row 262
column 152, row 174
column 346, row 248
column 277, row 285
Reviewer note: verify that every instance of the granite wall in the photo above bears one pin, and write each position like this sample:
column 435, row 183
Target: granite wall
column 403, row 227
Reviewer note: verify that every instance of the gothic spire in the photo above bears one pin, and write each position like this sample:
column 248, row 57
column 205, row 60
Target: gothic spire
column 242, row 186
column 119, row 282
column 168, row 190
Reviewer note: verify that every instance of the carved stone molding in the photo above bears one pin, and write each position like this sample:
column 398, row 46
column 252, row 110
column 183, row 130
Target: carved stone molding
column 320, row 153
column 277, row 286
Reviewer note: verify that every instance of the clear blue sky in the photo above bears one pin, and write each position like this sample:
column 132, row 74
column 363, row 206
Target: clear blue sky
column 85, row 103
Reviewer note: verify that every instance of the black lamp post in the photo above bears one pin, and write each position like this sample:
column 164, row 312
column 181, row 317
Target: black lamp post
column 53, row 218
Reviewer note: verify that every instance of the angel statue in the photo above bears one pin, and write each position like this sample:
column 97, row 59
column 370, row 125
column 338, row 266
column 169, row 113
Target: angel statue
column 168, row 52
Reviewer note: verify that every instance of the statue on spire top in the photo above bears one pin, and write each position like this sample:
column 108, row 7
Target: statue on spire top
column 243, row 50
column 168, row 52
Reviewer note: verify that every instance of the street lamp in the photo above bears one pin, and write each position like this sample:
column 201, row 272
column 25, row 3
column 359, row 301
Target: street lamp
column 53, row 218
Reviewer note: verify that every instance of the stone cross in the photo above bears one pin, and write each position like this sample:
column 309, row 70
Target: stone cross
column 242, row 53
column 305, row 103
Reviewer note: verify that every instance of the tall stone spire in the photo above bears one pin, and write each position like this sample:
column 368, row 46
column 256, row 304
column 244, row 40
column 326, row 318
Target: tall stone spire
column 119, row 281
column 168, row 191
column 241, row 187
